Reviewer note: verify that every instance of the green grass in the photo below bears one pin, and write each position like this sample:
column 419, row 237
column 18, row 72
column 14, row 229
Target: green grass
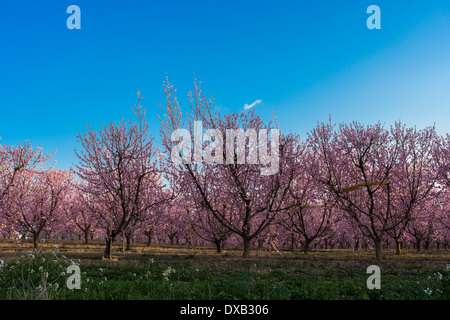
column 135, row 276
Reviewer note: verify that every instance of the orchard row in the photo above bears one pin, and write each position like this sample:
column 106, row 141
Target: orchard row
column 346, row 185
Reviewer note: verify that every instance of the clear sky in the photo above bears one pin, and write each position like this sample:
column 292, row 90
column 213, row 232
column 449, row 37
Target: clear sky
column 304, row 60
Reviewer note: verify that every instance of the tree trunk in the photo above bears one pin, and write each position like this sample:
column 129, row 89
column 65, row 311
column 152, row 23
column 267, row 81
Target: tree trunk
column 427, row 244
column 149, row 240
column 35, row 240
column 398, row 246
column 246, row 252
column 356, row 245
column 128, row 236
column 306, row 247
column 378, row 250
column 418, row 245
column 86, row 236
column 107, row 253
column 149, row 234
column 218, row 247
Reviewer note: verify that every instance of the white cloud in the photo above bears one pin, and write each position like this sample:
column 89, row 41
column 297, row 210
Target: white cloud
column 248, row 106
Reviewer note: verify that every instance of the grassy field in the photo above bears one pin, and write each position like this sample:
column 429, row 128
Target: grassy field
column 165, row 272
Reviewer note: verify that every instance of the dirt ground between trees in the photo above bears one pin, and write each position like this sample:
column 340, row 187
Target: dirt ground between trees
column 317, row 260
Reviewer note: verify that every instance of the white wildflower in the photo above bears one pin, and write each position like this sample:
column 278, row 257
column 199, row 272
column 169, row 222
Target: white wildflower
column 167, row 272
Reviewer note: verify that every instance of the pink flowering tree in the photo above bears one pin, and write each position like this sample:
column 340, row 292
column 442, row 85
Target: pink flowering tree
column 36, row 201
column 80, row 209
column 121, row 167
column 206, row 226
column 216, row 172
column 424, row 223
column 414, row 181
column 174, row 226
column 311, row 216
column 443, row 158
column 16, row 161
column 357, row 166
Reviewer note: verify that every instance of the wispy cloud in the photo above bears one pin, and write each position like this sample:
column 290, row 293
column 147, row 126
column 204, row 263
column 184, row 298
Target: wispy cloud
column 248, row 106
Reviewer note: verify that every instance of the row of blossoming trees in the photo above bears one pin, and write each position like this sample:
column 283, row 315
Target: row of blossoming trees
column 344, row 186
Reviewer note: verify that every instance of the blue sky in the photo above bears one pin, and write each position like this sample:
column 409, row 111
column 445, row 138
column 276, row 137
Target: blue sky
column 303, row 59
